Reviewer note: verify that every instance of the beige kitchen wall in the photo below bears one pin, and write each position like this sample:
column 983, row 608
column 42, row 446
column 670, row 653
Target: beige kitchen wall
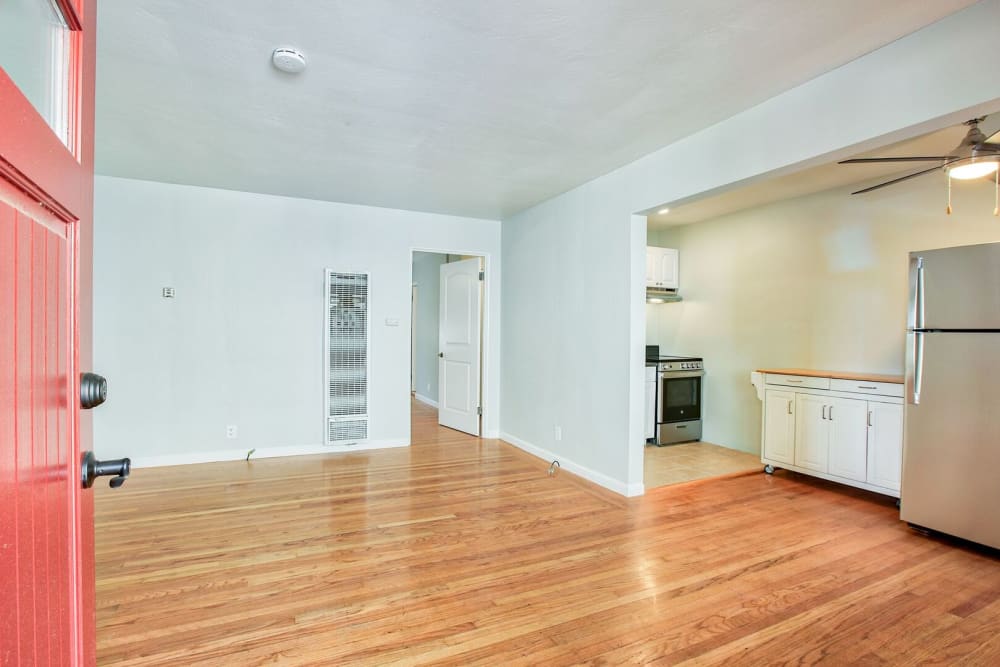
column 819, row 282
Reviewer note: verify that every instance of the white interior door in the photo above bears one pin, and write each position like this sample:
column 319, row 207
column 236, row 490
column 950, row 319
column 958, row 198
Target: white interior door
column 459, row 335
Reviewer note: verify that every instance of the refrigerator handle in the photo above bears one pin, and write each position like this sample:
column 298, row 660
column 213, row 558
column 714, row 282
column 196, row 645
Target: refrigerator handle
column 915, row 312
column 914, row 366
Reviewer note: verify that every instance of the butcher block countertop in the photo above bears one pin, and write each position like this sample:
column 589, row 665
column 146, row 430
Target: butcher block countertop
column 835, row 375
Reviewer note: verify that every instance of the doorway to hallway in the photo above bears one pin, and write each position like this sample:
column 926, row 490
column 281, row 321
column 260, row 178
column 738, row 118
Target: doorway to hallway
column 447, row 332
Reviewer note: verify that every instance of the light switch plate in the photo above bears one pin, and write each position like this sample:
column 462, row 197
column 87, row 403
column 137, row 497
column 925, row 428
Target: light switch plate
column 168, row 292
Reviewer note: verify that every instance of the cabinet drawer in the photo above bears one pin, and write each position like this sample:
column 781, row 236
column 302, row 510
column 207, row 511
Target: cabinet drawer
column 798, row 381
column 862, row 387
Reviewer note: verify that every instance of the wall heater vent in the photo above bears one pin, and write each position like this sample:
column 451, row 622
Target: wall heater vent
column 346, row 358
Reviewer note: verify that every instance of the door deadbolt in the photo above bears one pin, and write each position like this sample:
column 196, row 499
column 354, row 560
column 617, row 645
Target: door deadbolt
column 93, row 390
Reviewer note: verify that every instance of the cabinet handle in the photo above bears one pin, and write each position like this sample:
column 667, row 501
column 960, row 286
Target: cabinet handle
column 789, row 406
column 824, row 412
column 792, row 381
column 869, row 417
column 864, row 386
column 830, row 413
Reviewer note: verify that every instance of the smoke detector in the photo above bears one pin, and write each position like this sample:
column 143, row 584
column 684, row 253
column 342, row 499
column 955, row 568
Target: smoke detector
column 289, row 60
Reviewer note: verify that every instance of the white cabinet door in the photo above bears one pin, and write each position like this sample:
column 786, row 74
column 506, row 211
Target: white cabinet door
column 661, row 267
column 848, row 423
column 812, row 432
column 667, row 273
column 779, row 426
column 650, row 402
column 885, row 444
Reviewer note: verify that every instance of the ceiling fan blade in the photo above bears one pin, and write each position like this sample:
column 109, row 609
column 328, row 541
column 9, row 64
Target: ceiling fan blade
column 995, row 139
column 900, row 179
column 861, row 160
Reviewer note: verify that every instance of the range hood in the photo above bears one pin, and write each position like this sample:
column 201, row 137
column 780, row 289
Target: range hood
column 660, row 295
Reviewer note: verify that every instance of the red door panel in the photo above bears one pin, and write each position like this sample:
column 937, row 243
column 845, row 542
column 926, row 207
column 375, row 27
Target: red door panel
column 36, row 451
column 9, row 637
column 23, row 452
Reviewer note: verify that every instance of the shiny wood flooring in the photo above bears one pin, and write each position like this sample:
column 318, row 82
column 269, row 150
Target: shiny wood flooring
column 462, row 551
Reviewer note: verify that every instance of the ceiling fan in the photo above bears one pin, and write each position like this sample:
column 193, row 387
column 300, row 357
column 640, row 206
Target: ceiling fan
column 974, row 157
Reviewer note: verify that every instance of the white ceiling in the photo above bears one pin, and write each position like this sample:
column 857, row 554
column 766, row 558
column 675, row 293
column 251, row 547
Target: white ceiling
column 453, row 106
column 824, row 177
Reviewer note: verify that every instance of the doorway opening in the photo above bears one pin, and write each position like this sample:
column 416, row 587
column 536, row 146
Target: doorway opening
column 446, row 344
column 672, row 449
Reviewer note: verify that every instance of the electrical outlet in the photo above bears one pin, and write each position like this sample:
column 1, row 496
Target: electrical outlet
column 558, row 433
column 232, row 432
column 428, row 387
column 168, row 292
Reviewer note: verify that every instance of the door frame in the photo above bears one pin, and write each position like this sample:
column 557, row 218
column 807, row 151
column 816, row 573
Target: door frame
column 413, row 336
column 485, row 325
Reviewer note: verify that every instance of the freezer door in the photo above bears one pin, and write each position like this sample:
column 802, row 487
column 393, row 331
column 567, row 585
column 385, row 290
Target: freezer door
column 955, row 288
column 951, row 455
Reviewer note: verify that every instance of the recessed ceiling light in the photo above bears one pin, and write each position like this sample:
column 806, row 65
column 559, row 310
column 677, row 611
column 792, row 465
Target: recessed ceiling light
column 288, row 60
column 663, row 211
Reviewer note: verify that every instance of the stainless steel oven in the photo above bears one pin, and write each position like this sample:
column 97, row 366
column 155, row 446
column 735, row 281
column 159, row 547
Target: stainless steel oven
column 678, row 399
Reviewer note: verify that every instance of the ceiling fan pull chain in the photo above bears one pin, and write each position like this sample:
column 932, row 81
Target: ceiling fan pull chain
column 948, row 210
column 996, row 192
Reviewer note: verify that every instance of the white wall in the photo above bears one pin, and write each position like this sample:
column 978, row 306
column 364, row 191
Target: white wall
column 566, row 332
column 427, row 278
column 242, row 342
column 571, row 261
column 814, row 282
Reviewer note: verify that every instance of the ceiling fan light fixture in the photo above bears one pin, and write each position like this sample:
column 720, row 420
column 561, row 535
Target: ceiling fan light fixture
column 971, row 170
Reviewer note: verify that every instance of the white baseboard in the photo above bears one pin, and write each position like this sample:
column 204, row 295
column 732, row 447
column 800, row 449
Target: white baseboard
column 184, row 458
column 628, row 490
column 424, row 399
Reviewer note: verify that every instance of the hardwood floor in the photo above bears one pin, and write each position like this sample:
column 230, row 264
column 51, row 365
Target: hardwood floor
column 673, row 464
column 462, row 551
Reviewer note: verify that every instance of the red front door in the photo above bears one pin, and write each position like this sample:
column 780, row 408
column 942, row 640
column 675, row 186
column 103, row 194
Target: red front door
column 46, row 203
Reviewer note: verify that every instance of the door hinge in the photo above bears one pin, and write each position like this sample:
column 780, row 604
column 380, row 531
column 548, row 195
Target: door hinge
column 479, row 411
column 482, row 275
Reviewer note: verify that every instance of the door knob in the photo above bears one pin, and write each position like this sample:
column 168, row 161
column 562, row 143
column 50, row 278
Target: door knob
column 93, row 390
column 92, row 469
column 441, row 354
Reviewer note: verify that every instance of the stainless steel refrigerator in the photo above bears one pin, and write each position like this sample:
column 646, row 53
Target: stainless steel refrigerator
column 951, row 455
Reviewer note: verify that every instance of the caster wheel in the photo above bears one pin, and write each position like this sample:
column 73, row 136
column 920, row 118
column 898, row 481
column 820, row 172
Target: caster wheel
column 769, row 469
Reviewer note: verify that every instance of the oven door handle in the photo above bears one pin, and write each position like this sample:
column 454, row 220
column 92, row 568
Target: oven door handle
column 680, row 375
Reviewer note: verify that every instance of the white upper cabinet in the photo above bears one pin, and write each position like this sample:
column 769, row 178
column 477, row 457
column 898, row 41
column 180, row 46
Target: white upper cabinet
column 661, row 267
